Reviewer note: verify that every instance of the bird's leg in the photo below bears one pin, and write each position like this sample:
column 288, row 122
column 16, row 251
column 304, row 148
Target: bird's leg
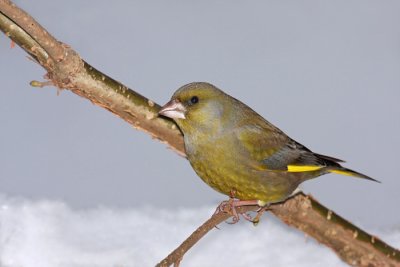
column 225, row 206
column 230, row 206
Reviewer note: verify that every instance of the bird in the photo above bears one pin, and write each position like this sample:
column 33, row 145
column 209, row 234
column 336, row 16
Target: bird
column 238, row 153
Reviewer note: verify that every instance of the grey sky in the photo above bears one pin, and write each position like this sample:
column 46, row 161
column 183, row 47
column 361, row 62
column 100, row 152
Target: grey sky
column 325, row 72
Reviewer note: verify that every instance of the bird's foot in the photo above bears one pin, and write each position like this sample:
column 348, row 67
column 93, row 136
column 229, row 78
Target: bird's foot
column 260, row 212
column 229, row 206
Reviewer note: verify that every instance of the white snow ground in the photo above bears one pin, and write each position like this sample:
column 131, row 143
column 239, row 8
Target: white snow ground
column 51, row 234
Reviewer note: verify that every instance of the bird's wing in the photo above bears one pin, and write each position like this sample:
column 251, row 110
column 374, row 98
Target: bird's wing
column 271, row 149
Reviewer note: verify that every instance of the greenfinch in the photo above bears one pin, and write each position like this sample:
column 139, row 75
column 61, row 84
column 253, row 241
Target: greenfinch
column 239, row 153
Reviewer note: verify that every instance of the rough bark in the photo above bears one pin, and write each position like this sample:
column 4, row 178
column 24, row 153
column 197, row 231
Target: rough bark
column 66, row 70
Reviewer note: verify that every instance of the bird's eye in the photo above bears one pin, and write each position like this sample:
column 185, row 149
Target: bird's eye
column 194, row 100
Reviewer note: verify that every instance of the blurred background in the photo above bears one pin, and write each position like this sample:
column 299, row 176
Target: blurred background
column 325, row 72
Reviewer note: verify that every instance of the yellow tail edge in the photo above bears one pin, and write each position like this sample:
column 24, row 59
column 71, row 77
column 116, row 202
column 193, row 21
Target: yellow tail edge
column 348, row 172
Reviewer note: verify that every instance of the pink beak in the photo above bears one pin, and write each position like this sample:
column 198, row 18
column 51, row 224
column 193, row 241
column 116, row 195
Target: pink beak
column 173, row 109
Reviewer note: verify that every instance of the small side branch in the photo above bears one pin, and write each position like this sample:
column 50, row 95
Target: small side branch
column 176, row 256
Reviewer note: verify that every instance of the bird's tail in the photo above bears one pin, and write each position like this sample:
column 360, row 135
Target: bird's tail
column 344, row 171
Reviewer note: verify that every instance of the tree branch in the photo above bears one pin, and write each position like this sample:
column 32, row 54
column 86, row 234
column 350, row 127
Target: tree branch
column 351, row 244
column 66, row 70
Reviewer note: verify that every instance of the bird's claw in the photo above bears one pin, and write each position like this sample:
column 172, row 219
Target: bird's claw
column 260, row 212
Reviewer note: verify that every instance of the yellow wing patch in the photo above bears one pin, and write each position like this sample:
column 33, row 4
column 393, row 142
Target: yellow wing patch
column 303, row 168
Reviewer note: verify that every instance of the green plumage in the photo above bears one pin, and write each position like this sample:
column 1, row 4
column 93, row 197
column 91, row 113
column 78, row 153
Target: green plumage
column 234, row 149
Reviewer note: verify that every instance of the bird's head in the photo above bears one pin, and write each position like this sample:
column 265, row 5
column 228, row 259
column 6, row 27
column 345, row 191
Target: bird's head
column 196, row 106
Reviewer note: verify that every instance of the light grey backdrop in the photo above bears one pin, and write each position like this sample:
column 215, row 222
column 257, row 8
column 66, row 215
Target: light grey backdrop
column 325, row 72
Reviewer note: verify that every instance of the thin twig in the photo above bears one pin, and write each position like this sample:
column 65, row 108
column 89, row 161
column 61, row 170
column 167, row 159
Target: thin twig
column 177, row 255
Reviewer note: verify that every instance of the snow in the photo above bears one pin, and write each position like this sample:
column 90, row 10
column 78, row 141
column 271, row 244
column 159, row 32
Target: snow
column 49, row 233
